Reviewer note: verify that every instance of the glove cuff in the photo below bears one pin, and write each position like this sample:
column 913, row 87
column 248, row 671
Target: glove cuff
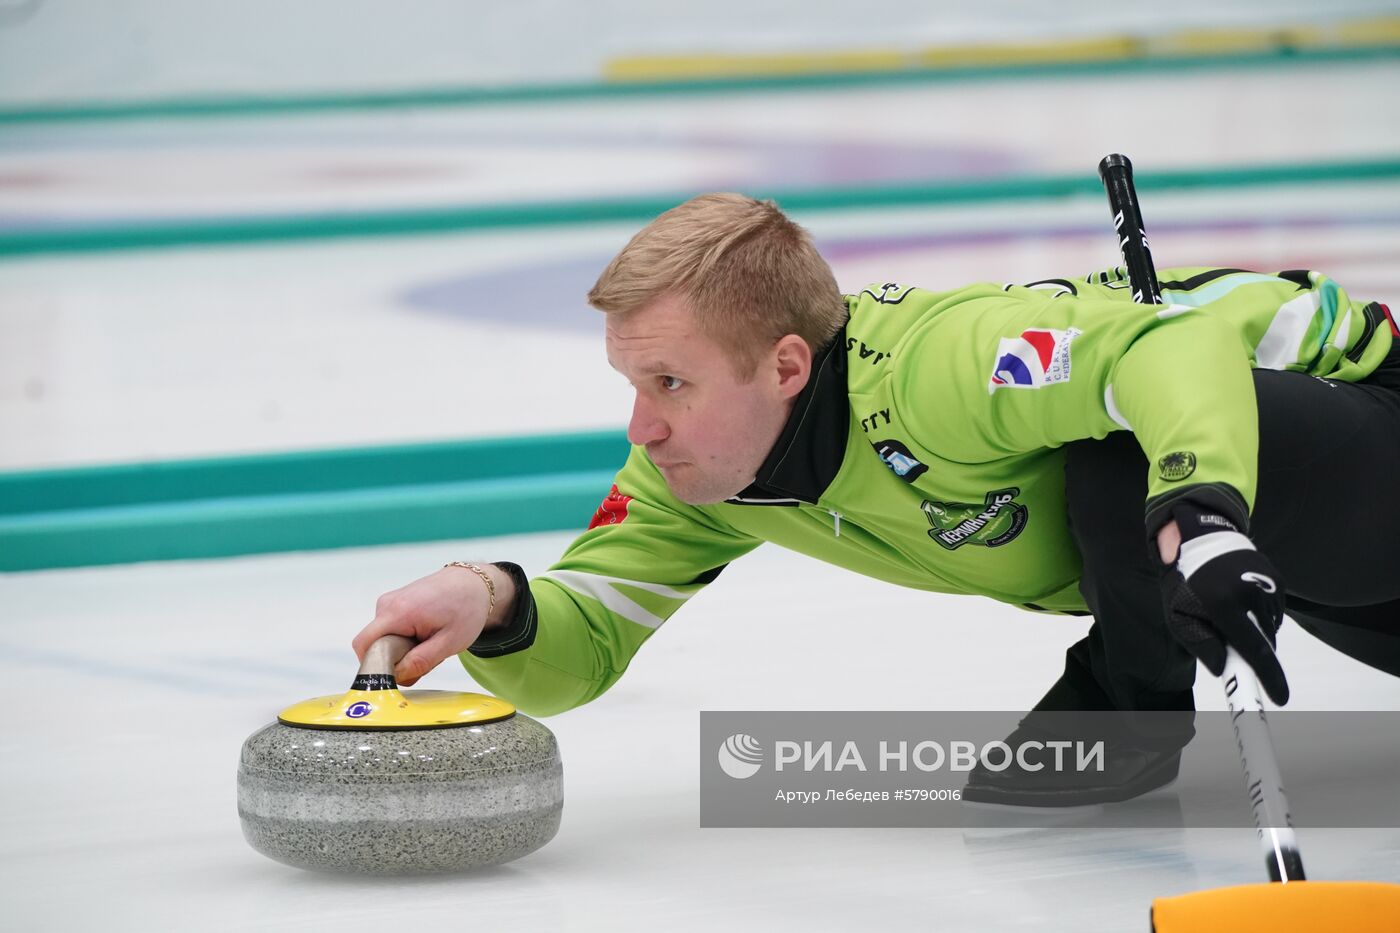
column 1214, row 498
column 1196, row 522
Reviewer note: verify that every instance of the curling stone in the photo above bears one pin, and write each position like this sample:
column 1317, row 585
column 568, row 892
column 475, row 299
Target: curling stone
column 389, row 782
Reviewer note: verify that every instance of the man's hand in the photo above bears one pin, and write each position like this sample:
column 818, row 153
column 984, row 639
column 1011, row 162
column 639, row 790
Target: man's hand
column 1220, row 592
column 445, row 612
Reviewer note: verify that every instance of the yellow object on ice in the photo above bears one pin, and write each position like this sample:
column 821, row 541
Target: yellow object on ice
column 1282, row 39
column 1351, row 906
column 392, row 708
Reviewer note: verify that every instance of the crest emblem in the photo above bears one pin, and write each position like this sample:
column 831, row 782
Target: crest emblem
column 995, row 522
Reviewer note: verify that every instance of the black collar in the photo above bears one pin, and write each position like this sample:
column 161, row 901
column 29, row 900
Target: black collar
column 810, row 450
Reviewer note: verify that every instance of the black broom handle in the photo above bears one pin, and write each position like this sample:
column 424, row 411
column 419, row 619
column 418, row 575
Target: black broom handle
column 1116, row 172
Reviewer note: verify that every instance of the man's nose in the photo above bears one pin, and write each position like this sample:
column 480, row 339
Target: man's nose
column 645, row 427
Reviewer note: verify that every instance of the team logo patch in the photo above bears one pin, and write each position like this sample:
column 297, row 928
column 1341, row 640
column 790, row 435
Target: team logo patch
column 995, row 522
column 613, row 511
column 1035, row 359
column 1176, row 466
column 898, row 458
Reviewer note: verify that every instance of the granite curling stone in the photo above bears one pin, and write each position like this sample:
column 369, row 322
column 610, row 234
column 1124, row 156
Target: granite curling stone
column 389, row 782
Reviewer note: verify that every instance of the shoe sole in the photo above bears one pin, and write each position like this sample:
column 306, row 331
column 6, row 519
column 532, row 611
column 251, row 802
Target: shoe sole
column 1156, row 778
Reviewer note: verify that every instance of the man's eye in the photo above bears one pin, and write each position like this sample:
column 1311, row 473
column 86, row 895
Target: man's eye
column 671, row 383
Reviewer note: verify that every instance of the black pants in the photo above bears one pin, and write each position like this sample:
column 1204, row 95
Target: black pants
column 1327, row 514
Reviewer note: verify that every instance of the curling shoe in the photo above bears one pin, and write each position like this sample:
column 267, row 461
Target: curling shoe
column 1127, row 772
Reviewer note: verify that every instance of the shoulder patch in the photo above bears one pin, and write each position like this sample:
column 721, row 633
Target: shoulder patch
column 1034, row 359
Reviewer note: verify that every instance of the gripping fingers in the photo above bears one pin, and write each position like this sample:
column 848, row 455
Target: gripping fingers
column 423, row 658
column 1247, row 636
column 1190, row 623
column 382, row 625
column 369, row 635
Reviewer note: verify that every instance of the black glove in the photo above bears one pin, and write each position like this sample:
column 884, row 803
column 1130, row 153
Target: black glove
column 1221, row 591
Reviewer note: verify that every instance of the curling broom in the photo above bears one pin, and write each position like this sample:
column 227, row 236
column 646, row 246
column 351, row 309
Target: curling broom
column 1289, row 902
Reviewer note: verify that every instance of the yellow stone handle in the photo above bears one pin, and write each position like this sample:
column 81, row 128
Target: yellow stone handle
column 385, row 654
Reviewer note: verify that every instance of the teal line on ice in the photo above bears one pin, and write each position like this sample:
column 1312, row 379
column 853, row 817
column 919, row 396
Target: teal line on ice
column 222, row 507
column 229, row 106
column 466, row 218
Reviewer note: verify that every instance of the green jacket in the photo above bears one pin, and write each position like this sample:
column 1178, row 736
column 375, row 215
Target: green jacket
column 927, row 451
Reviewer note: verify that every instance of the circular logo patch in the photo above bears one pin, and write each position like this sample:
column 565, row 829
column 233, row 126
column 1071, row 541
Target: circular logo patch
column 359, row 710
column 1176, row 466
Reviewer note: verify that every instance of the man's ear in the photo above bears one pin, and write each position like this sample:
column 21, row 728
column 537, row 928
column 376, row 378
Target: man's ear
column 793, row 365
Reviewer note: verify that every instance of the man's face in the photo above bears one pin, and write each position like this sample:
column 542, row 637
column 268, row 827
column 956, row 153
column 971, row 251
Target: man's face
column 704, row 427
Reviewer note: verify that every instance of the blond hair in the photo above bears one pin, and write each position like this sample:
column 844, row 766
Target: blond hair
column 748, row 273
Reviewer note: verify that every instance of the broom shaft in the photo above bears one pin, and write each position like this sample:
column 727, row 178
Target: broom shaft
column 1262, row 779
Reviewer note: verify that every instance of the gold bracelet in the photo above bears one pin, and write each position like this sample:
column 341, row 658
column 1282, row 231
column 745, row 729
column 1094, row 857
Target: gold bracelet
column 485, row 578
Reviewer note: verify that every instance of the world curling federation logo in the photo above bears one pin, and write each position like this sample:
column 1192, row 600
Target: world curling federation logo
column 740, row 756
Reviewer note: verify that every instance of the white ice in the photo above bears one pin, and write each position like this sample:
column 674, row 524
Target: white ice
column 131, row 689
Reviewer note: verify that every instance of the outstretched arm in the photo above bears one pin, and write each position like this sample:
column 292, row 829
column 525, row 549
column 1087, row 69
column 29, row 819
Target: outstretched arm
column 563, row 638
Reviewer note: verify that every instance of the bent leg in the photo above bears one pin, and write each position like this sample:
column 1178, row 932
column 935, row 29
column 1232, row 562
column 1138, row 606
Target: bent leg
column 1129, row 652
